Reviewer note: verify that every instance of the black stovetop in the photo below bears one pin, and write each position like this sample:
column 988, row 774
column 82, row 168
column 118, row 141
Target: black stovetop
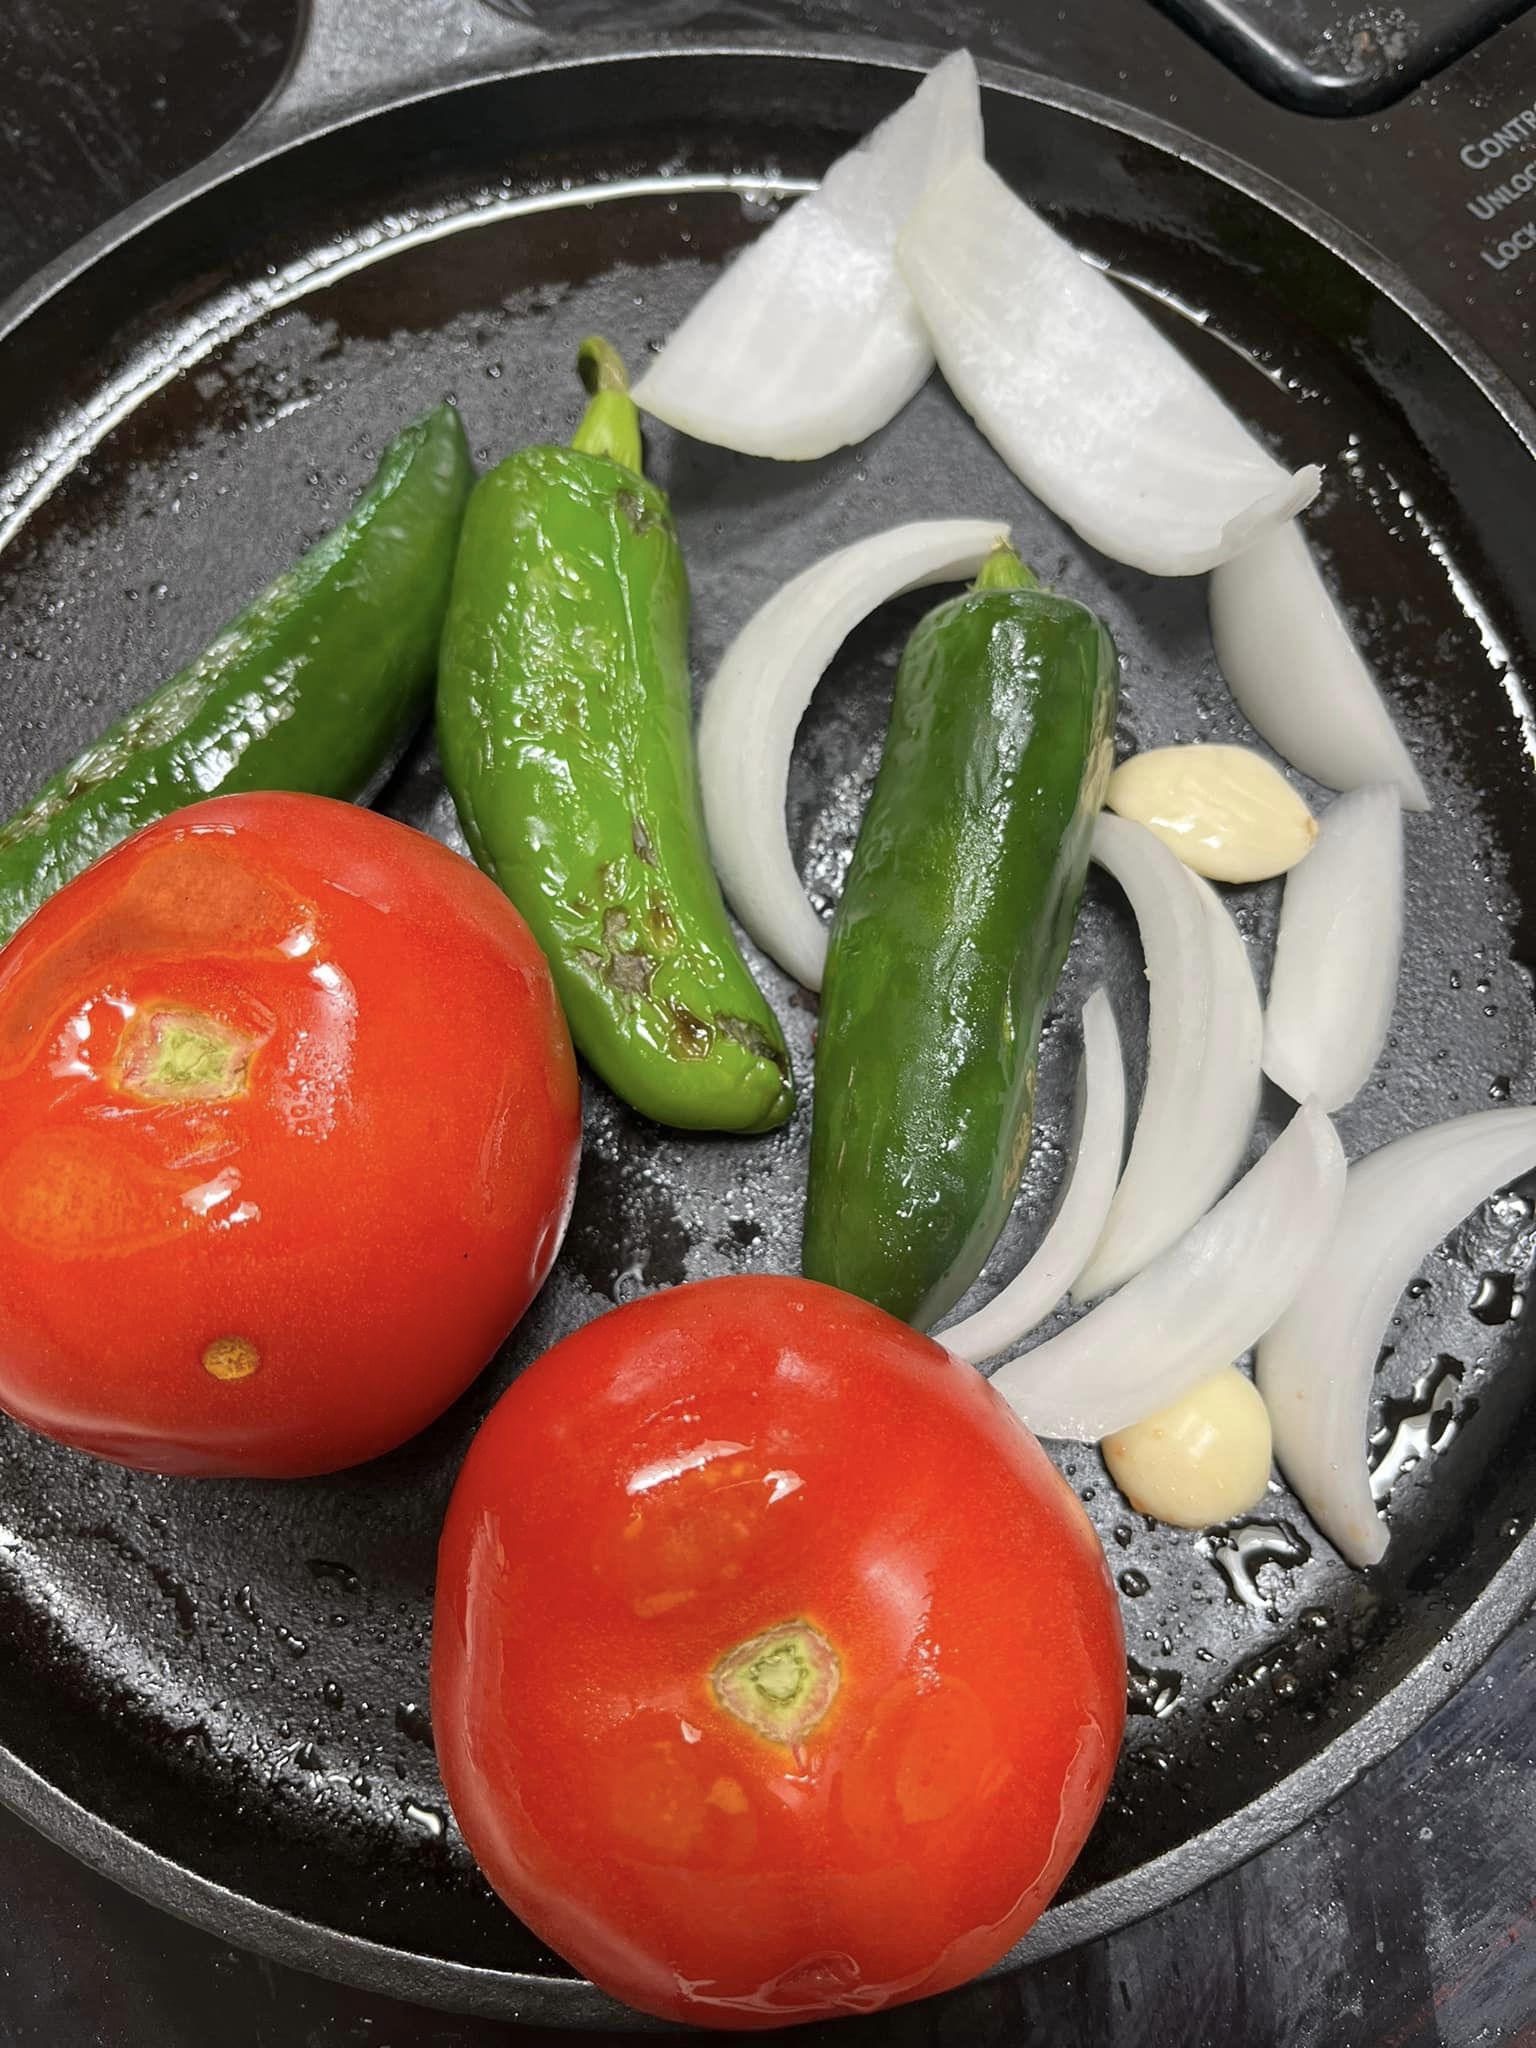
column 1406, row 1914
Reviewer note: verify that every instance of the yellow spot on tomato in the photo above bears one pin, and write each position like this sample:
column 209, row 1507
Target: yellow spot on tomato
column 657, row 1805
column 661, row 1603
column 231, row 1358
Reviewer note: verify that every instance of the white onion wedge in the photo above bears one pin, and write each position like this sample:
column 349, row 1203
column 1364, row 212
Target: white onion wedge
column 1204, row 1035
column 1197, row 1307
column 810, row 340
column 1078, row 392
column 1336, row 957
column 758, row 695
column 1315, row 1366
column 1035, row 1290
column 1296, row 673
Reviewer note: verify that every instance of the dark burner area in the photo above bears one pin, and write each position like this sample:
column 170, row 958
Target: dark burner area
column 1330, row 57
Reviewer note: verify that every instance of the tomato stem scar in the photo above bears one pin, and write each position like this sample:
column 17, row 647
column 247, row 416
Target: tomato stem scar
column 780, row 1683
column 183, row 1056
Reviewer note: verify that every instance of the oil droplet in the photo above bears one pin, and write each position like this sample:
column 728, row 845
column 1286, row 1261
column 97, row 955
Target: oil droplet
column 1151, row 1692
column 179, row 1597
column 294, row 1645
column 231, row 1358
column 1498, row 1088
column 332, row 1694
column 1313, row 1618
column 1251, row 1556
column 342, row 1574
column 413, row 1721
column 1133, row 1584
column 1412, row 1428
column 1286, row 1684
column 1123, row 1535
column 1497, row 1300
column 427, row 1818
column 245, row 1602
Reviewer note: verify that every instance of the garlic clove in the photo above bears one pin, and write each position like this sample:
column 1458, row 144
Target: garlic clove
column 1201, row 1460
column 1225, row 811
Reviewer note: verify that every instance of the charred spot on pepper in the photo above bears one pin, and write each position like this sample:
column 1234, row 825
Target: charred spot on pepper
column 630, row 974
column 692, row 1037
column 637, row 515
column 663, row 925
column 752, row 1038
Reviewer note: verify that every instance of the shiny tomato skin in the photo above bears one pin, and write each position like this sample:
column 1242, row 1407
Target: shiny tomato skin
column 705, row 1468
column 289, row 1123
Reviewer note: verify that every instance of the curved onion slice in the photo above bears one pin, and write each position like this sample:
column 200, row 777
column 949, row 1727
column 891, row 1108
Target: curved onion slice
column 1204, row 1035
column 1336, row 956
column 1198, row 1306
column 1296, row 674
column 1078, row 392
column 758, row 695
column 1315, row 1366
column 1036, row 1289
column 810, row 340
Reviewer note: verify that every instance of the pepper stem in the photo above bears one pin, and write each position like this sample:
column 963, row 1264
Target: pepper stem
column 1002, row 570
column 611, row 424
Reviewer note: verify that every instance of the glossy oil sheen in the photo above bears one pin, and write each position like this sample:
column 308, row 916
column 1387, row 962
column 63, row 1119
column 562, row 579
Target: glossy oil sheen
column 316, row 686
column 299, row 1270
column 683, row 1477
column 565, row 719
column 948, row 941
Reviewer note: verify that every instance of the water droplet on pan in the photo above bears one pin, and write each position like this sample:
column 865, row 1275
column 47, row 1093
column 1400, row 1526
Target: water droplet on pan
column 427, row 1818
column 1251, row 1555
column 1151, row 1692
column 1497, row 1300
column 413, row 1721
column 1412, row 1428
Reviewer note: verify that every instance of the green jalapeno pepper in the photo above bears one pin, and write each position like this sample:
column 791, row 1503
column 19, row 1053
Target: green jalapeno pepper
column 950, row 936
column 564, row 717
column 315, row 686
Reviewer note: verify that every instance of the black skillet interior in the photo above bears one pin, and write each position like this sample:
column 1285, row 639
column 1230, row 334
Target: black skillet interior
column 234, row 1675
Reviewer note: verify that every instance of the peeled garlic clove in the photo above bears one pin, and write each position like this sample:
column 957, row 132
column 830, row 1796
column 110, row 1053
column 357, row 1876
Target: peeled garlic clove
column 1225, row 811
column 1201, row 1460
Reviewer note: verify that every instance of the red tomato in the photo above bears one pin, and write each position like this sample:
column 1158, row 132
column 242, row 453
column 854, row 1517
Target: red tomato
column 776, row 1672
column 288, row 1136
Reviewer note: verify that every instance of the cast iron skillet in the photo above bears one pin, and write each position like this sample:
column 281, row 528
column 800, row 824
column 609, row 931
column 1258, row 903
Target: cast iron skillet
column 215, row 1692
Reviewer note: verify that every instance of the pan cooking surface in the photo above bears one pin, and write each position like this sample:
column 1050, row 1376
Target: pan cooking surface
column 235, row 1674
